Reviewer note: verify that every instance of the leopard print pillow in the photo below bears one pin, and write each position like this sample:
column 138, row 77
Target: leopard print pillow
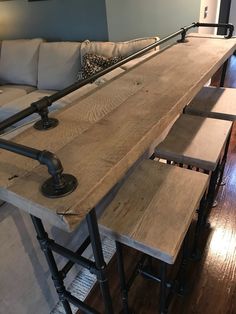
column 93, row 63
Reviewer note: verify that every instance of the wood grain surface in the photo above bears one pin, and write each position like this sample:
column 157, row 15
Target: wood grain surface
column 219, row 103
column 195, row 141
column 99, row 152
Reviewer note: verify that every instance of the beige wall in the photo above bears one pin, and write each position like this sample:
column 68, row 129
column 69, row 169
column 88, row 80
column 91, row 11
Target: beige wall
column 212, row 16
column 129, row 19
column 232, row 18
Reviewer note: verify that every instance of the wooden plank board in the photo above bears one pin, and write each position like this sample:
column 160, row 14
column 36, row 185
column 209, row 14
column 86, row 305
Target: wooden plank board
column 100, row 155
column 74, row 120
column 153, row 210
column 195, row 141
column 212, row 102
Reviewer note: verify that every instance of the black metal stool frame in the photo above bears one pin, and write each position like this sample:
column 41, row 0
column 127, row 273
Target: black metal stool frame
column 166, row 287
column 165, row 296
column 48, row 246
column 216, row 176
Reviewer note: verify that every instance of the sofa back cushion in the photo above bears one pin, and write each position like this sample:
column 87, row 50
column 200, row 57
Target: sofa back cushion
column 19, row 61
column 59, row 64
column 116, row 49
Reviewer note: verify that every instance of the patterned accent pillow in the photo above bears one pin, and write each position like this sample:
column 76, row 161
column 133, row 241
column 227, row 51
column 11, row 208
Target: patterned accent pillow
column 93, row 63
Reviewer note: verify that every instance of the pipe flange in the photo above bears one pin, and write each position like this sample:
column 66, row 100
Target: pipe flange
column 46, row 125
column 50, row 190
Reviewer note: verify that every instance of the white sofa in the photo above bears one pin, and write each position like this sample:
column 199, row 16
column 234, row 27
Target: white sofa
column 30, row 70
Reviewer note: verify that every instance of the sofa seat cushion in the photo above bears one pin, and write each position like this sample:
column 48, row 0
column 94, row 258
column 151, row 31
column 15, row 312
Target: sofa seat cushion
column 11, row 92
column 19, row 61
column 138, row 60
column 59, row 64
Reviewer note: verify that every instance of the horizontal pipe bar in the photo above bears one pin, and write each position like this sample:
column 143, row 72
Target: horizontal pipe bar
column 70, row 255
column 144, row 272
column 64, row 271
column 92, row 78
column 228, row 26
column 43, row 157
column 20, row 149
column 17, row 117
column 136, row 271
column 79, row 304
column 49, row 100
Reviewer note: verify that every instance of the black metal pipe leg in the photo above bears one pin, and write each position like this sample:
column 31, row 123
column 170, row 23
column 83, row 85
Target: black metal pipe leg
column 66, row 306
column 196, row 253
column 43, row 239
column 121, row 271
column 183, row 266
column 223, row 73
column 212, row 189
column 224, row 159
column 99, row 260
column 163, row 288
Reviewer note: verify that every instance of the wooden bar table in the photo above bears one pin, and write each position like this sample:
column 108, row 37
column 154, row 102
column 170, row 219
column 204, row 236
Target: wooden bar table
column 100, row 138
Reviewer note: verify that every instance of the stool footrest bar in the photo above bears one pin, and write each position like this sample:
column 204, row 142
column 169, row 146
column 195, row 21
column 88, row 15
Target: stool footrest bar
column 81, row 305
column 64, row 271
column 75, row 258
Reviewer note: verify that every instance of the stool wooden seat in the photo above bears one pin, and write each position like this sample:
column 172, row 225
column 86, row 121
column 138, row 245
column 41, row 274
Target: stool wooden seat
column 152, row 212
column 154, row 208
column 201, row 143
column 212, row 102
column 195, row 141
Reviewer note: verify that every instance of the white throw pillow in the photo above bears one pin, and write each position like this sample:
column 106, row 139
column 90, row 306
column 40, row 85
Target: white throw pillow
column 116, row 49
column 59, row 64
column 19, row 61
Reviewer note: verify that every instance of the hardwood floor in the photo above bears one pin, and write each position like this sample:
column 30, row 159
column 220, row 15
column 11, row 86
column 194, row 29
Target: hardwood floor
column 212, row 281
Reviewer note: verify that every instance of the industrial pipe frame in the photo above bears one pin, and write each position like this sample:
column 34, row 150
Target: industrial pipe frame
column 60, row 184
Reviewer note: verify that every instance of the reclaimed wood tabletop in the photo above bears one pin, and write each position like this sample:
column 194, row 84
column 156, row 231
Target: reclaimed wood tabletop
column 102, row 136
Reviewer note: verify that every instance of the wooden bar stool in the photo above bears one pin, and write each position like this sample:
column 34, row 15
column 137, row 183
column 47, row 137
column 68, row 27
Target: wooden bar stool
column 212, row 102
column 152, row 213
column 218, row 103
column 198, row 143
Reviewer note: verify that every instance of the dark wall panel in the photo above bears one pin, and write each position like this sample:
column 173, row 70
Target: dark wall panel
column 54, row 19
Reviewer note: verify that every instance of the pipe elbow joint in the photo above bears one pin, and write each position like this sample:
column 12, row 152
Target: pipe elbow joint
column 52, row 162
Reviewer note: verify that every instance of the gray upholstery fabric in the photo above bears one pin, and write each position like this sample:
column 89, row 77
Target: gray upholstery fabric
column 19, row 61
column 59, row 64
